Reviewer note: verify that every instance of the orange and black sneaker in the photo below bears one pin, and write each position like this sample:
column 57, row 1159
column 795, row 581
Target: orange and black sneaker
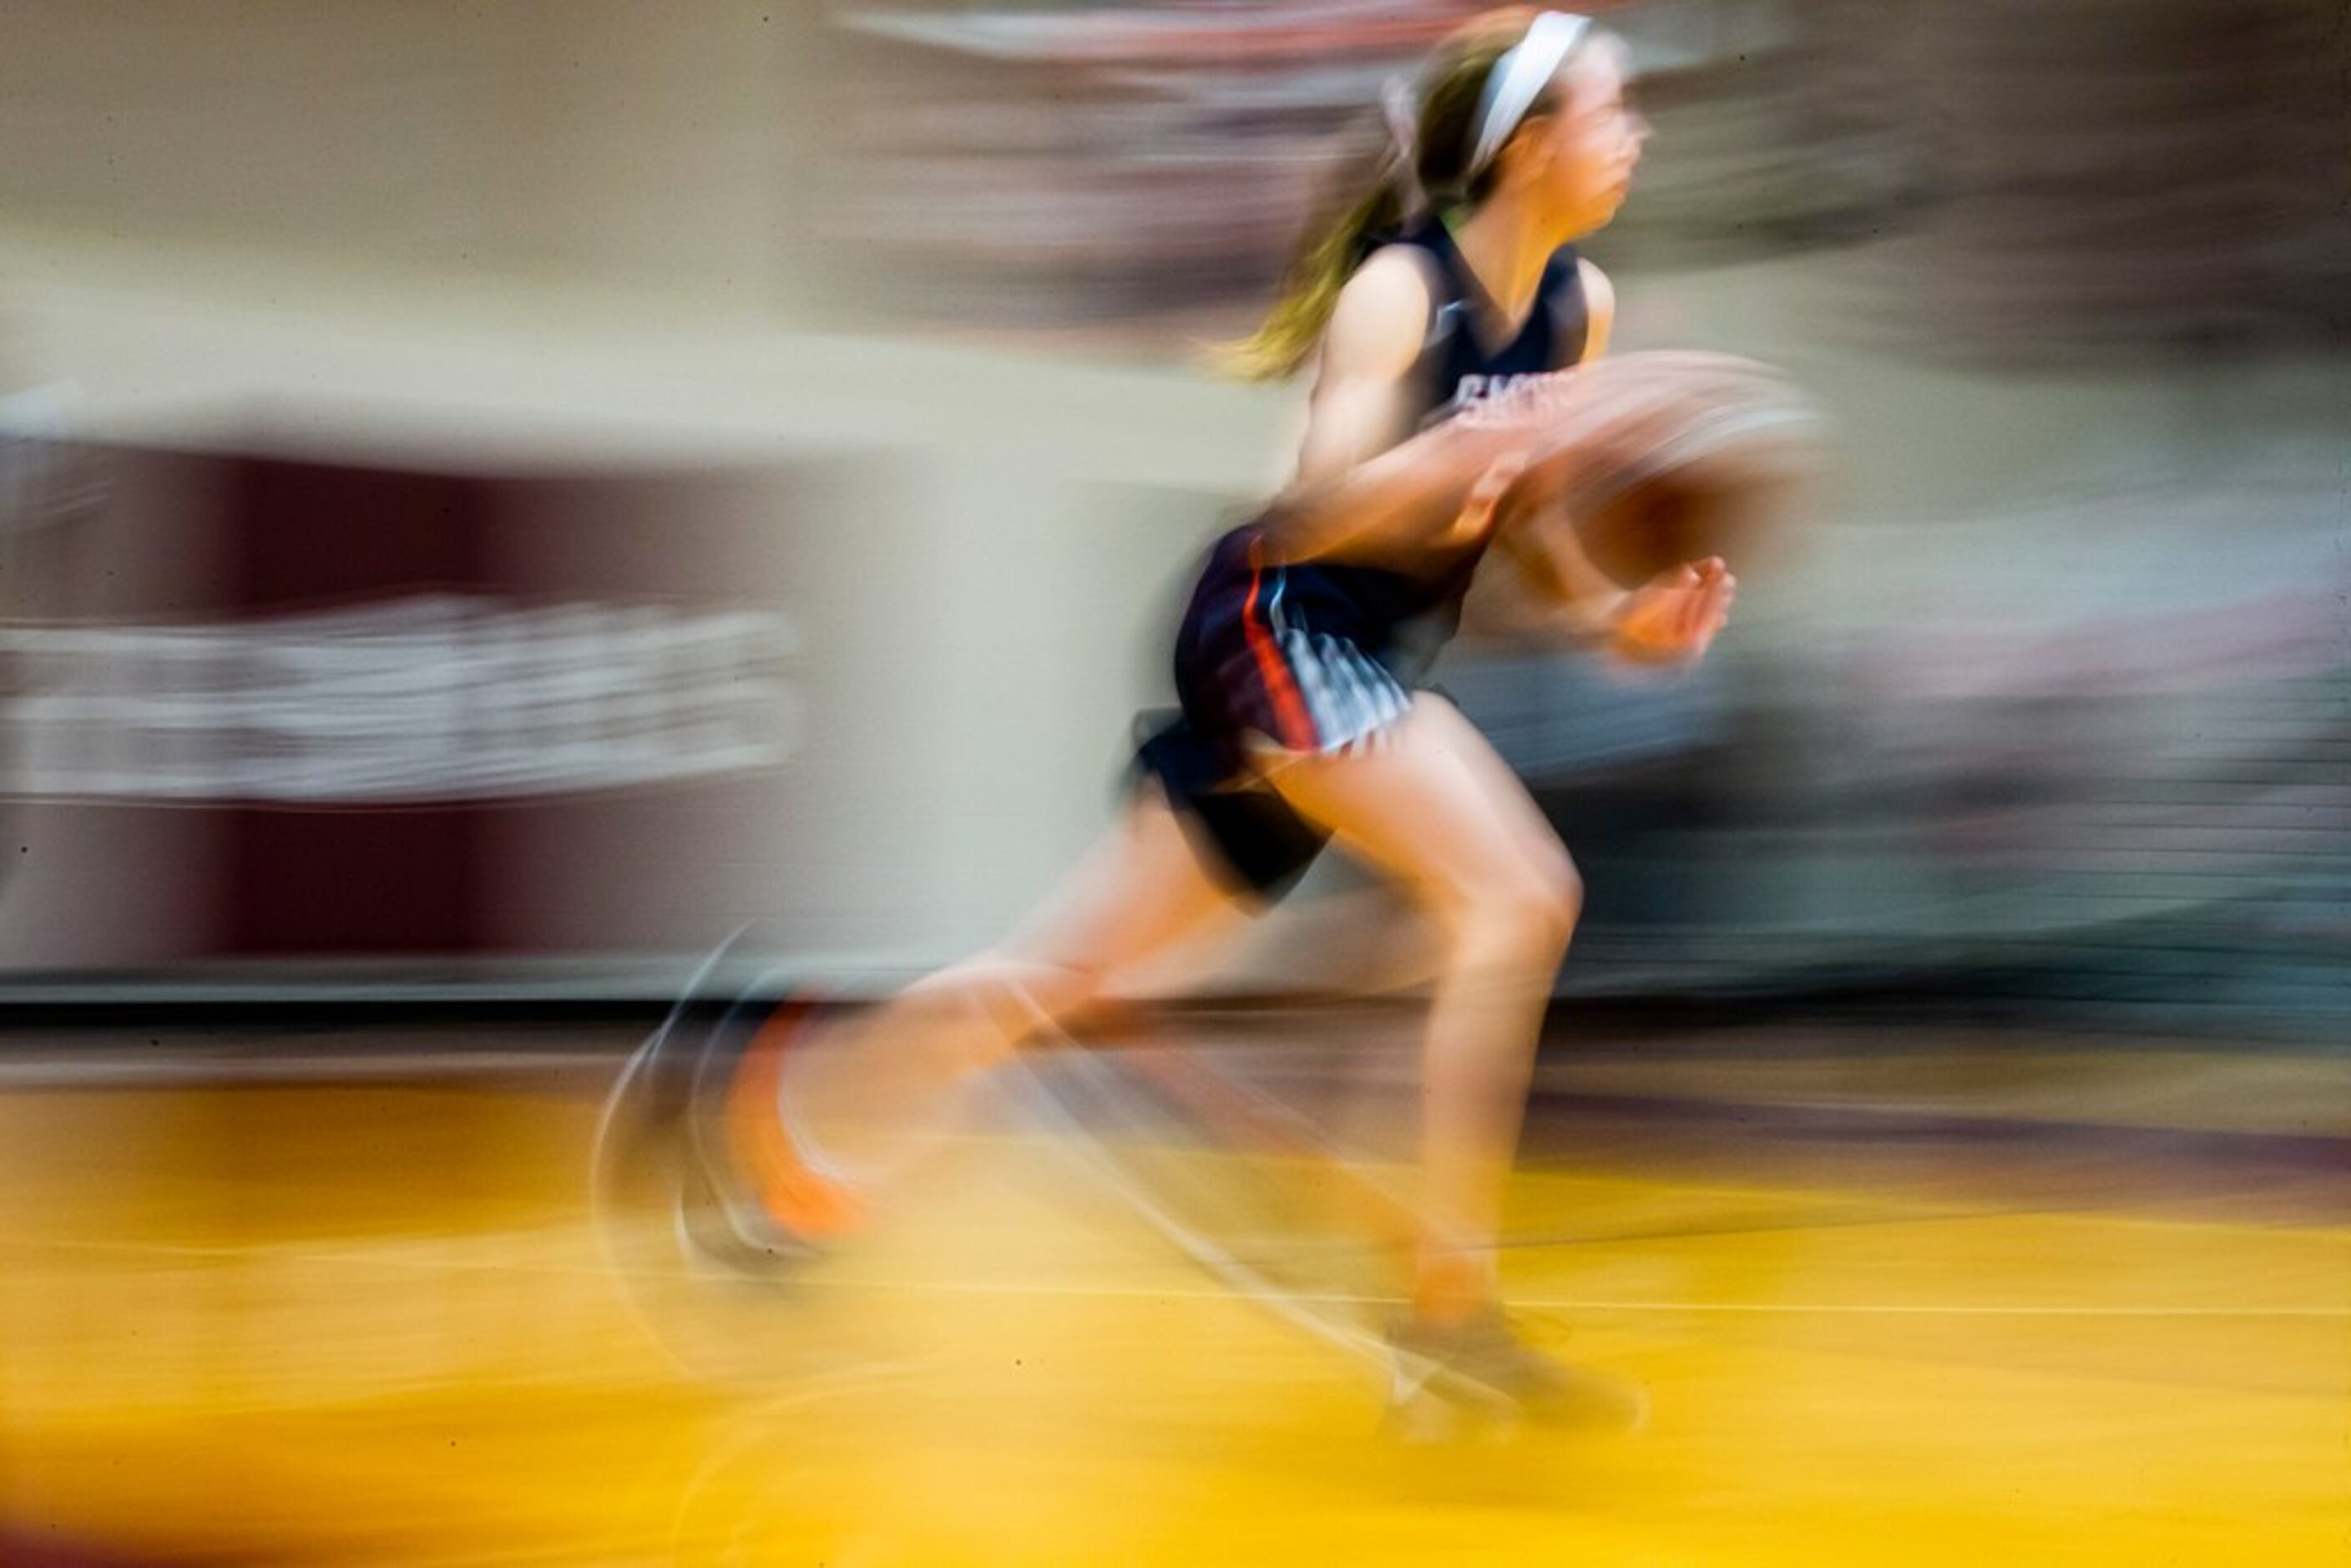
column 756, row 1201
column 770, row 1160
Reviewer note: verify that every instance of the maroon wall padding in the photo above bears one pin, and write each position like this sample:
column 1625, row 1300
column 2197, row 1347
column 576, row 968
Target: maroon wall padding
column 345, row 879
column 314, row 535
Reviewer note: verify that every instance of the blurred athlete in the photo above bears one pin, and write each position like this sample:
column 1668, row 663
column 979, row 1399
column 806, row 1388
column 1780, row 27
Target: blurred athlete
column 1444, row 284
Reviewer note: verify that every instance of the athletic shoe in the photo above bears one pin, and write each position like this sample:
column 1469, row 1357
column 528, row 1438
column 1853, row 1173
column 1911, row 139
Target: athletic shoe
column 1481, row 1368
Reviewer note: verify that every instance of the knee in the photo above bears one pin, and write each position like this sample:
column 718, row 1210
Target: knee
column 1020, row 999
column 1552, row 902
column 1527, row 914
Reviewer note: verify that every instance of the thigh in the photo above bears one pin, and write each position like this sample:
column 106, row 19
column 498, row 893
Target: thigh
column 1142, row 889
column 1433, row 805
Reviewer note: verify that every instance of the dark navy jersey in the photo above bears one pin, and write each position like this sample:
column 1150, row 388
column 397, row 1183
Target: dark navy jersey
column 1316, row 656
column 1458, row 368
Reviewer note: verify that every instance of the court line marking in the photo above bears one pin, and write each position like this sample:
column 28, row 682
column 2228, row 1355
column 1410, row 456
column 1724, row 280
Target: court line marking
column 1189, row 1290
column 355, row 1070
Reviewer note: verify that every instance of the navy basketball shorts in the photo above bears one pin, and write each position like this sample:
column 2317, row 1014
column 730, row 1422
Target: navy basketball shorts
column 1261, row 671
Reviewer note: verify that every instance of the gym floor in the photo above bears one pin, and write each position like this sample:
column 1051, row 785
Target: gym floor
column 1956, row 1296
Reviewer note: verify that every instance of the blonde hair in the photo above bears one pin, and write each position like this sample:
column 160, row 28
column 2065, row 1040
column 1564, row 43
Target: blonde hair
column 1377, row 193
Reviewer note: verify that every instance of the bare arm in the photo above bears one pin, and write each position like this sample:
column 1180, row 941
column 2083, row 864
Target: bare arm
column 1580, row 600
column 1670, row 619
column 1367, row 487
column 1361, row 405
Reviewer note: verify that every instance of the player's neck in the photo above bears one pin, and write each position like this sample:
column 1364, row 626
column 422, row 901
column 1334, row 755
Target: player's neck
column 1505, row 250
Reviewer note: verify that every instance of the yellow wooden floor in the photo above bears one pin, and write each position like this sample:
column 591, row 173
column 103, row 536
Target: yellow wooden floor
column 371, row 1324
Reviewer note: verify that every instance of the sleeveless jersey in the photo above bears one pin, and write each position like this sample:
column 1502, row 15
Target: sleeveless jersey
column 1457, row 369
column 1315, row 656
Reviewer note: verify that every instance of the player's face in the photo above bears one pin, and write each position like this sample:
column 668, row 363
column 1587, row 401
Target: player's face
column 1593, row 139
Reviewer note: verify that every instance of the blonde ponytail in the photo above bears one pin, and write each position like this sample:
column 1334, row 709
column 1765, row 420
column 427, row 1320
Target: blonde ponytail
column 1425, row 146
column 1310, row 293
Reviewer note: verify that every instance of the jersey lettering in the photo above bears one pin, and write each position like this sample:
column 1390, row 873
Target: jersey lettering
column 1473, row 389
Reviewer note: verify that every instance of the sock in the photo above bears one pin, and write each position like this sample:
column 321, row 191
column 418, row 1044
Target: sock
column 1451, row 1285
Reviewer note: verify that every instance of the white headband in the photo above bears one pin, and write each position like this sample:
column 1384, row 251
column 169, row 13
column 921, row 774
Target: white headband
column 1519, row 78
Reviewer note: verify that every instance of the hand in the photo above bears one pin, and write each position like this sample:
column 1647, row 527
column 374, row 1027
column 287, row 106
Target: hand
column 1476, row 518
column 1675, row 615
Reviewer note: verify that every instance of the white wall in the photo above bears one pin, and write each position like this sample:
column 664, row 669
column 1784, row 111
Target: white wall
column 582, row 227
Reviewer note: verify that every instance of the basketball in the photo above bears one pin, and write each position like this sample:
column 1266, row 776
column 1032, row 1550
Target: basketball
column 1654, row 459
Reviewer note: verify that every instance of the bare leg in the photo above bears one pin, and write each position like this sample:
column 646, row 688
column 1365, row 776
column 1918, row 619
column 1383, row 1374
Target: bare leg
column 873, row 1096
column 1437, row 809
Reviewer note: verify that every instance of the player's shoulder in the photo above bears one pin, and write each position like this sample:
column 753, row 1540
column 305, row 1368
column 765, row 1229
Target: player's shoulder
column 1381, row 321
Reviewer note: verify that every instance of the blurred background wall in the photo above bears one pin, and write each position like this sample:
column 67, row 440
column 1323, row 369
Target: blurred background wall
column 470, row 403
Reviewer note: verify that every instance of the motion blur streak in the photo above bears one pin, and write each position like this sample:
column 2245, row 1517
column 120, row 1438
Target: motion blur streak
column 495, row 499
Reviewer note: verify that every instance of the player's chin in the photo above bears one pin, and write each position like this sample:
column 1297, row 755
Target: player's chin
column 1649, row 657
column 1606, row 202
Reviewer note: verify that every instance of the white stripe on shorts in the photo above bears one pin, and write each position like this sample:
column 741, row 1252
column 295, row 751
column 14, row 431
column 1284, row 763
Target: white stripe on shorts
column 1349, row 696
